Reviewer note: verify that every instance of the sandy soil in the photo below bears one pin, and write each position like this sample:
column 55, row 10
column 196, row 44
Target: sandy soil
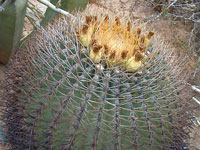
column 176, row 34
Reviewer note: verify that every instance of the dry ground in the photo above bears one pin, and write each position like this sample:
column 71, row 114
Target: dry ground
column 176, row 34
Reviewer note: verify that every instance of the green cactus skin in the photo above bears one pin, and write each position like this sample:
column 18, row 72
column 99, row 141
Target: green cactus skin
column 11, row 26
column 57, row 98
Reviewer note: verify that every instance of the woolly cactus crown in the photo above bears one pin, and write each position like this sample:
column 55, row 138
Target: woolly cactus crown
column 57, row 97
column 114, row 41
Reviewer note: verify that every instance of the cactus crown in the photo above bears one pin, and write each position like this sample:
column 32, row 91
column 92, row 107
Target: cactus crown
column 57, row 98
column 114, row 41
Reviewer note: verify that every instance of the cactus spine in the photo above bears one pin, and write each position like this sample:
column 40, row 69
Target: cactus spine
column 58, row 98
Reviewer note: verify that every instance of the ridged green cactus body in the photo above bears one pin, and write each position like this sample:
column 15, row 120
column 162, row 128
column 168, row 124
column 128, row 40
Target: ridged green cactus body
column 57, row 98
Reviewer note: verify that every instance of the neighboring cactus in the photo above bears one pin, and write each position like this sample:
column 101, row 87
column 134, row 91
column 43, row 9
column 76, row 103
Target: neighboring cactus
column 11, row 26
column 12, row 16
column 57, row 98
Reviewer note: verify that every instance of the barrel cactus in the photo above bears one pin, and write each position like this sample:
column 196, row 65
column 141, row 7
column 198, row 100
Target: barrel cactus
column 57, row 97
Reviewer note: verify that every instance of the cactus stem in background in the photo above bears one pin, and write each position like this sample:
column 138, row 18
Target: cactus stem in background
column 11, row 26
column 61, row 11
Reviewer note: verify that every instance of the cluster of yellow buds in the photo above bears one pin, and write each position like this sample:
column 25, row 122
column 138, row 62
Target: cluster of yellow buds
column 114, row 42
